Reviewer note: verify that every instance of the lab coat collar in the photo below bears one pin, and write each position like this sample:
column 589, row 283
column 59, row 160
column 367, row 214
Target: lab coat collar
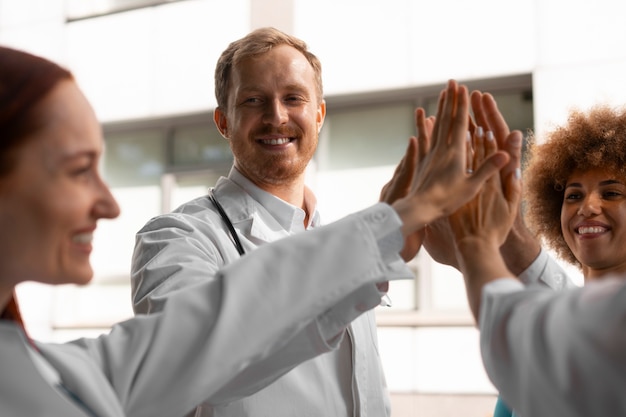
column 20, row 376
column 269, row 216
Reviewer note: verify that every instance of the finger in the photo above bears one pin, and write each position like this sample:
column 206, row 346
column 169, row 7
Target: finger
column 445, row 115
column 400, row 183
column 471, row 125
column 386, row 190
column 494, row 119
column 424, row 131
column 490, row 115
column 477, row 109
column 490, row 166
column 479, row 147
column 461, row 118
column 513, row 191
column 490, row 145
column 513, row 146
column 435, row 132
column 469, row 157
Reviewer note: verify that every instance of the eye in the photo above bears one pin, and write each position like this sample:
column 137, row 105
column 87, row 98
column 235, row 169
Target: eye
column 611, row 194
column 295, row 99
column 83, row 167
column 252, row 100
column 572, row 196
column 82, row 171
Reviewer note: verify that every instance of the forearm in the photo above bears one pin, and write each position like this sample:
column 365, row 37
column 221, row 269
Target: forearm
column 174, row 251
column 480, row 262
column 535, row 342
column 520, row 248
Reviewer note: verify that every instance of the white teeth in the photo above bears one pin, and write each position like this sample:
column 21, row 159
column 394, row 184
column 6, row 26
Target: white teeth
column 83, row 238
column 280, row 141
column 590, row 229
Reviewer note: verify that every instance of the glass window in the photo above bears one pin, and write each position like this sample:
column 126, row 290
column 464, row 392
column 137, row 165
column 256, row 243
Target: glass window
column 366, row 136
column 135, row 158
column 199, row 146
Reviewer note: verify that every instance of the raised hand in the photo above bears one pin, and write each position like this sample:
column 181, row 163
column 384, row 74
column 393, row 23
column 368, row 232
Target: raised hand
column 438, row 237
column 400, row 184
column 521, row 247
column 491, row 213
column 481, row 226
column 441, row 184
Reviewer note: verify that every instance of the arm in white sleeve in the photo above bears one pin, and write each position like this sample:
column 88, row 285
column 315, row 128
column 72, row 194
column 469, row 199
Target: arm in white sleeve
column 253, row 321
column 556, row 353
column 546, row 271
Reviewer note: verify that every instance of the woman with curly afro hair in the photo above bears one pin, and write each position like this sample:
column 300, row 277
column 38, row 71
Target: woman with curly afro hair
column 575, row 189
column 575, row 194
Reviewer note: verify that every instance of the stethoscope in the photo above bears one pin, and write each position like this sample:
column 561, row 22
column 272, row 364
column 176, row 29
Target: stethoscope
column 229, row 224
column 385, row 301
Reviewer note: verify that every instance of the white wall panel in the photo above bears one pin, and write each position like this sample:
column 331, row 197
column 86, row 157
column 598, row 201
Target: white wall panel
column 372, row 45
column 154, row 61
column 426, row 360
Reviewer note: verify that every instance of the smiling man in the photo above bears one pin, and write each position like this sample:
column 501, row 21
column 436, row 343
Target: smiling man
column 270, row 110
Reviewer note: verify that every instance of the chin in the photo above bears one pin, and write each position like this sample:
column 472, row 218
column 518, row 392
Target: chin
column 81, row 277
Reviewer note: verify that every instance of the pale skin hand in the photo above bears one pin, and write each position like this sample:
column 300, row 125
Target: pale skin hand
column 521, row 247
column 482, row 225
column 440, row 184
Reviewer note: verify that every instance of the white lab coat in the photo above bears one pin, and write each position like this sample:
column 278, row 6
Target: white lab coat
column 193, row 242
column 556, row 353
column 200, row 347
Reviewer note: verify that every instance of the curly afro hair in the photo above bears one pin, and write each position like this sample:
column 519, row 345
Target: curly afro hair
column 592, row 139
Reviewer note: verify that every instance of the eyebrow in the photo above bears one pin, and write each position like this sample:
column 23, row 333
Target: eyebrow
column 260, row 89
column 605, row 182
column 78, row 154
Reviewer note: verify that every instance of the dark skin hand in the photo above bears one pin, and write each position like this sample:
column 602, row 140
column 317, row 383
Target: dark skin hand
column 481, row 226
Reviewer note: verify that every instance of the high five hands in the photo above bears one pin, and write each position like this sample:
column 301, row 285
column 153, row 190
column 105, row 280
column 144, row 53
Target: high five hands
column 432, row 180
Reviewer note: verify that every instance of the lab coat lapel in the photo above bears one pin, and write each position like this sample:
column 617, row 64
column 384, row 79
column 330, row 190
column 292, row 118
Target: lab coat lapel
column 94, row 390
column 265, row 228
column 23, row 390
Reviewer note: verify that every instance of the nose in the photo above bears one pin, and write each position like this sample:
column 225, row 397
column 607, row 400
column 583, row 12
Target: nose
column 106, row 206
column 276, row 113
column 591, row 205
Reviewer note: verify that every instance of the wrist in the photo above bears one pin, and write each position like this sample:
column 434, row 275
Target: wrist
column 470, row 246
column 520, row 248
column 414, row 214
column 479, row 258
column 481, row 263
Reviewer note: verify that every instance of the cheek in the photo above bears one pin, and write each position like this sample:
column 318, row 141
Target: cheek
column 29, row 242
column 566, row 215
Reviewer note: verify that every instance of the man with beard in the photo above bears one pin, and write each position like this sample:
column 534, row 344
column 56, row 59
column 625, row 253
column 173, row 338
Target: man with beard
column 270, row 109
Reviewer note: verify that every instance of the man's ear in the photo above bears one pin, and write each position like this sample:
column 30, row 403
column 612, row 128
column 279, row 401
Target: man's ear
column 321, row 115
column 220, row 121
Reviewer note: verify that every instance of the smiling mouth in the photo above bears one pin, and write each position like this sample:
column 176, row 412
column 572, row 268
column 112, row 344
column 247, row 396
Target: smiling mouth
column 276, row 141
column 83, row 238
column 589, row 230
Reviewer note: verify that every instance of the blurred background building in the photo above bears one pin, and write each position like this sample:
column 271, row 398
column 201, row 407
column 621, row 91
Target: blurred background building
column 147, row 67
